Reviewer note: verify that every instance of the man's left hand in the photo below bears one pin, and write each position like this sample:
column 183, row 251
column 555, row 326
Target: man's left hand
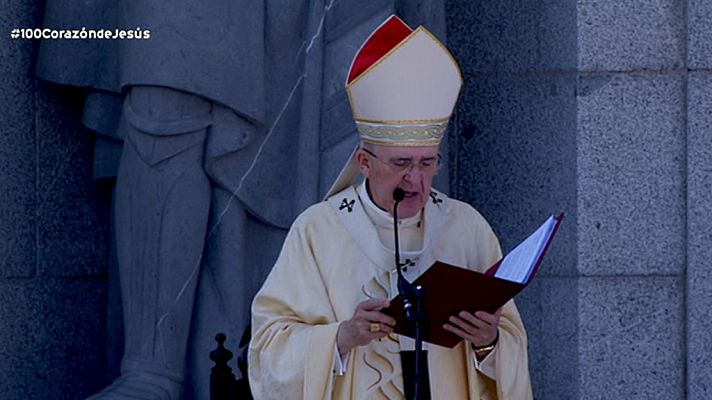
column 479, row 328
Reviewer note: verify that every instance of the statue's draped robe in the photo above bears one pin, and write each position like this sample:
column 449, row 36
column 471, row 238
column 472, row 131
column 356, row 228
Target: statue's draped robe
column 331, row 259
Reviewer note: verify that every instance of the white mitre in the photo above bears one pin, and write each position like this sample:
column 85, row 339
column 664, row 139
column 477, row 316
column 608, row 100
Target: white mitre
column 402, row 86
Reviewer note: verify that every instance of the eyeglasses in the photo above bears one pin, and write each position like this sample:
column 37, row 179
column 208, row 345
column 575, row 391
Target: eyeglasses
column 428, row 165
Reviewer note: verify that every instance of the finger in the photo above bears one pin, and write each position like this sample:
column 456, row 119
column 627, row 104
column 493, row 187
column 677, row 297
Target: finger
column 386, row 330
column 491, row 319
column 368, row 334
column 364, row 334
column 473, row 319
column 372, row 327
column 358, row 333
column 373, row 304
column 485, row 315
column 459, row 332
column 467, row 326
column 376, row 316
column 379, row 328
column 478, row 338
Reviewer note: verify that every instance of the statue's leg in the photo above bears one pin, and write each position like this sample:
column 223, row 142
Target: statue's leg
column 162, row 206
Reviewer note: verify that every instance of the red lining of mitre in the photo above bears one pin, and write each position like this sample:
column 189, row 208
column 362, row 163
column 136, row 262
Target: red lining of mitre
column 385, row 38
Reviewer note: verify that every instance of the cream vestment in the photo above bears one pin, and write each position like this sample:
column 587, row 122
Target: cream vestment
column 332, row 258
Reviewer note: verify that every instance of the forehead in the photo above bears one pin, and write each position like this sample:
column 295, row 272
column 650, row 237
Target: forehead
column 414, row 152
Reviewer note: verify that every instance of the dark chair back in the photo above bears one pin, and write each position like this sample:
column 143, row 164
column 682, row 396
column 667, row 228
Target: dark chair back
column 223, row 385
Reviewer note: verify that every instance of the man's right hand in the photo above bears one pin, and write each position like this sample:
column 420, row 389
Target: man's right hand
column 358, row 331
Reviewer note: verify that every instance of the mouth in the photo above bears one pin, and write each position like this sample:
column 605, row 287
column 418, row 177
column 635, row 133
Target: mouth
column 410, row 195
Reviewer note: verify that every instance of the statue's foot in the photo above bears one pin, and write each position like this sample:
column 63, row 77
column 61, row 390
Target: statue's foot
column 141, row 386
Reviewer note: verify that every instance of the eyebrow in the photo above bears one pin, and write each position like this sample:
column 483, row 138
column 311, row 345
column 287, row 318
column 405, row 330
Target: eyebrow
column 411, row 158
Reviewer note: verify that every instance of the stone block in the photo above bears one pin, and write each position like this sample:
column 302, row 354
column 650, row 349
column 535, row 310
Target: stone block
column 631, row 35
column 556, row 35
column 512, row 36
column 51, row 341
column 16, row 53
column 513, row 151
column 549, row 310
column 17, row 178
column 72, row 236
column 631, row 338
column 699, row 45
column 631, row 174
column 699, row 237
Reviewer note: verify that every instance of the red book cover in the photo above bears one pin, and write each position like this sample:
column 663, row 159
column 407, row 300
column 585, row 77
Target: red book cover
column 449, row 289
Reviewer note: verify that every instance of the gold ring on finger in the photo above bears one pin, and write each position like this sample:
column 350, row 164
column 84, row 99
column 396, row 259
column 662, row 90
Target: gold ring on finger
column 375, row 327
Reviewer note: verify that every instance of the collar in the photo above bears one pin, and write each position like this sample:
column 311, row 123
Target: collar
column 381, row 217
column 350, row 208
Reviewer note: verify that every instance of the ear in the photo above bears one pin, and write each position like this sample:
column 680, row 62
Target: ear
column 364, row 163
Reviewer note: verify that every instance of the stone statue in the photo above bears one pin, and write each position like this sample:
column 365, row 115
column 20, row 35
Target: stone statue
column 233, row 119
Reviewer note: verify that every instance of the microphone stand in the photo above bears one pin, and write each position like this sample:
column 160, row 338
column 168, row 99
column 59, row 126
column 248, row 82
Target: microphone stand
column 413, row 314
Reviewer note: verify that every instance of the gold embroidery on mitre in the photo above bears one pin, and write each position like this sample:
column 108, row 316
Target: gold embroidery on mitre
column 402, row 135
column 384, row 57
column 432, row 121
column 397, row 47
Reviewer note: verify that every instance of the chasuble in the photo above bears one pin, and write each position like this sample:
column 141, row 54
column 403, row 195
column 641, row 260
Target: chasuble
column 332, row 260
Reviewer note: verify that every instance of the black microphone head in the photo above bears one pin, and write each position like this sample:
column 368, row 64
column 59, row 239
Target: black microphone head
column 398, row 194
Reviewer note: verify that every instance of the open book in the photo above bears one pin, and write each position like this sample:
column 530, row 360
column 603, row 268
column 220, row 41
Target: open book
column 520, row 264
column 450, row 289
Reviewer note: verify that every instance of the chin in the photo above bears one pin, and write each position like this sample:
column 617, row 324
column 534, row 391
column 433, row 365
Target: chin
column 410, row 208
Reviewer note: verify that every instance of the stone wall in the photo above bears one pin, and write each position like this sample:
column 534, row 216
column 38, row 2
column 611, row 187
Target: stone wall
column 53, row 232
column 600, row 110
column 698, row 211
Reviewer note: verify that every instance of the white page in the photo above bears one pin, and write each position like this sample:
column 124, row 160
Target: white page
column 518, row 265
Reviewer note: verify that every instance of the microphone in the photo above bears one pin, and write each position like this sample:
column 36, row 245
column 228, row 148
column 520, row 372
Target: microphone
column 413, row 315
column 398, row 195
column 404, row 288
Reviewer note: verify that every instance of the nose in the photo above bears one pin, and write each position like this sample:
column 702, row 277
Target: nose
column 413, row 174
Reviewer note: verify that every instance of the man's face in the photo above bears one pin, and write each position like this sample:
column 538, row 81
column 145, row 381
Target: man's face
column 409, row 168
